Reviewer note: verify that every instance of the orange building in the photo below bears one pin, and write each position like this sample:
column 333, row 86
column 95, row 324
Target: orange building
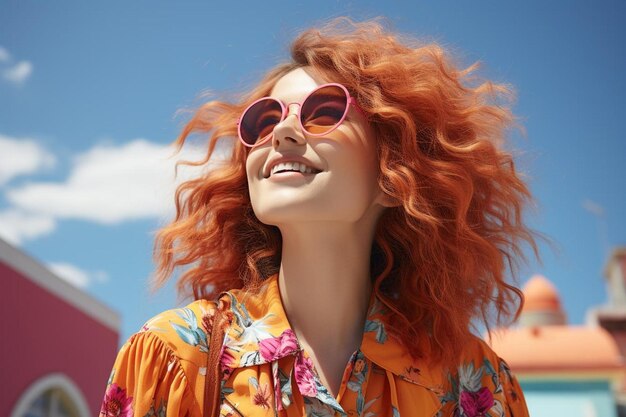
column 570, row 370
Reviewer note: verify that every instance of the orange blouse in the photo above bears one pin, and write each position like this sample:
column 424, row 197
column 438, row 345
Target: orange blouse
column 160, row 371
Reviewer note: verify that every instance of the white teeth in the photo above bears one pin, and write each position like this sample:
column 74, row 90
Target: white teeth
column 292, row 166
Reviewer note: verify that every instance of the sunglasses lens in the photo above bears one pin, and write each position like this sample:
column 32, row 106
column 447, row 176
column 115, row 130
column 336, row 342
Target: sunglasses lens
column 324, row 109
column 259, row 120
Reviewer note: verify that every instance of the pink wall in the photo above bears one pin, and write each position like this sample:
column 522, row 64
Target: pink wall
column 40, row 334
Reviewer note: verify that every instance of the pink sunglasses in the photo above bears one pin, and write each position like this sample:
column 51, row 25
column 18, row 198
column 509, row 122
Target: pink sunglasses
column 321, row 112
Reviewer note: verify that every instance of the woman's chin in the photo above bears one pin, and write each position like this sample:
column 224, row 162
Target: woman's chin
column 285, row 213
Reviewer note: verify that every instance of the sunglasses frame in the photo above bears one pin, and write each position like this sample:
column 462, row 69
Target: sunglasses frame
column 285, row 113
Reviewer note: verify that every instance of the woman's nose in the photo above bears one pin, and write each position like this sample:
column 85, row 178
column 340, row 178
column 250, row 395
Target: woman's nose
column 288, row 131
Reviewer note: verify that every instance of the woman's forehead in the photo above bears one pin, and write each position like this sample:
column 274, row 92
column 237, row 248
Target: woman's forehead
column 296, row 85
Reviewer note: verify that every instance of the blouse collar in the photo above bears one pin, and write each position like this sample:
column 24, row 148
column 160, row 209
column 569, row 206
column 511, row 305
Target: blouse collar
column 260, row 333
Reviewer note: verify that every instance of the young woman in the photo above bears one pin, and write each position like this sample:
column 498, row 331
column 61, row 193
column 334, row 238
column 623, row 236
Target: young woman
column 366, row 216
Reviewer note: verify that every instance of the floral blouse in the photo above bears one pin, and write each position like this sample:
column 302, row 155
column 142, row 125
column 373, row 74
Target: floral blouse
column 160, row 371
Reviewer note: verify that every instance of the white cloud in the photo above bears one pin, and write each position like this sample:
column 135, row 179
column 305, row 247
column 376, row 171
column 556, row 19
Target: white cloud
column 76, row 276
column 19, row 72
column 110, row 184
column 20, row 156
column 15, row 73
column 4, row 55
column 17, row 226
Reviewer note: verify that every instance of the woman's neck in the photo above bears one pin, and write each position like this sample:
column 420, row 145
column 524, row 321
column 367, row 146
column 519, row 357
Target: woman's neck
column 325, row 284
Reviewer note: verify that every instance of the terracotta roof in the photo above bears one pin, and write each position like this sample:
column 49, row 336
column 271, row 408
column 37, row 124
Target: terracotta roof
column 557, row 348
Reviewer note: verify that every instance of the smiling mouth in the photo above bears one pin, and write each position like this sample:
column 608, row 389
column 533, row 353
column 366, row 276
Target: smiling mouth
column 293, row 167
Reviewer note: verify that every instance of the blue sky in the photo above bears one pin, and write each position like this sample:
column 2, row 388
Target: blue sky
column 89, row 95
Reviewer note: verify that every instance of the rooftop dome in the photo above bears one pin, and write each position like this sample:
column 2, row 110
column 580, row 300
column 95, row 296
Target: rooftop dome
column 543, row 342
column 542, row 304
column 541, row 295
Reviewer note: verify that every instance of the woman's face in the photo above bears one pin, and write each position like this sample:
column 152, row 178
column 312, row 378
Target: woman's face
column 346, row 188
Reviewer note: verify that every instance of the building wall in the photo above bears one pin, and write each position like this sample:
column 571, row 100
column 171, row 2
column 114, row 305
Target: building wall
column 549, row 398
column 42, row 334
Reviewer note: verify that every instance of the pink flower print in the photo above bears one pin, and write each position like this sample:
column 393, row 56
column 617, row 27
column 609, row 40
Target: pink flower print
column 476, row 404
column 305, row 376
column 116, row 403
column 226, row 358
column 226, row 363
column 277, row 347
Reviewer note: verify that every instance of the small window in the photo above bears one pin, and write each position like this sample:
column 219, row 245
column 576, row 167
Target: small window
column 53, row 402
column 54, row 395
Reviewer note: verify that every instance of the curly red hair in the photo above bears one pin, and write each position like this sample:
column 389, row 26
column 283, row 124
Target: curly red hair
column 440, row 258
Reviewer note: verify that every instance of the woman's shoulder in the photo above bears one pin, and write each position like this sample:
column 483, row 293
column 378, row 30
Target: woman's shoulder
column 479, row 360
column 477, row 348
column 162, row 366
column 183, row 330
column 483, row 382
